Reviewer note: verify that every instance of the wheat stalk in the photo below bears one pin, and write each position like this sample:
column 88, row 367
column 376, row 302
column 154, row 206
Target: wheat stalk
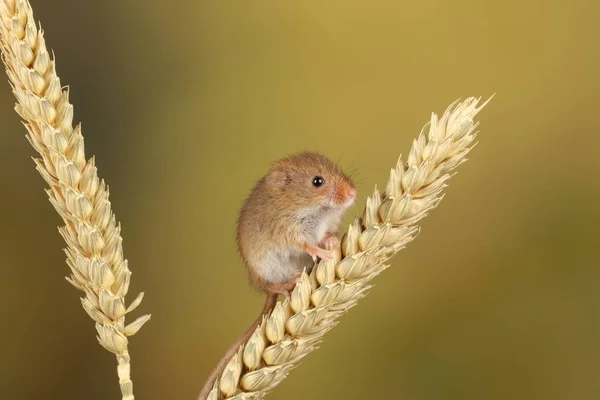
column 94, row 245
column 389, row 222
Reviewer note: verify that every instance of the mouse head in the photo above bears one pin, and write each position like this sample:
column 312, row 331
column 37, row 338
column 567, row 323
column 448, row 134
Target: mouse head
column 310, row 179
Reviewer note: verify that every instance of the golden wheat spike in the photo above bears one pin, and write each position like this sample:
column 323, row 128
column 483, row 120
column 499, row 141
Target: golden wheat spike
column 388, row 223
column 94, row 245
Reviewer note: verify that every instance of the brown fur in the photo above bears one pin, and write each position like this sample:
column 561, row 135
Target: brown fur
column 269, row 217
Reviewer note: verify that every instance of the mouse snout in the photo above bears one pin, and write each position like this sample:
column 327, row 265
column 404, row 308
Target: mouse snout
column 347, row 196
column 350, row 194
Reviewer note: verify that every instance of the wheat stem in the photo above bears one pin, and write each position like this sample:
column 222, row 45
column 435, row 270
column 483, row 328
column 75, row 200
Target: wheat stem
column 94, row 245
column 388, row 223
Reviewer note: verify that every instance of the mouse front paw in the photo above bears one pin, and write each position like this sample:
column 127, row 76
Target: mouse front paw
column 326, row 255
column 315, row 252
column 331, row 242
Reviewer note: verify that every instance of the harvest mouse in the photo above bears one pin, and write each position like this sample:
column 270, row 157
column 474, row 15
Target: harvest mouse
column 290, row 219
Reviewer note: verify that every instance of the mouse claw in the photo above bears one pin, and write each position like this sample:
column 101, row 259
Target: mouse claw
column 315, row 252
column 288, row 295
column 326, row 255
column 293, row 281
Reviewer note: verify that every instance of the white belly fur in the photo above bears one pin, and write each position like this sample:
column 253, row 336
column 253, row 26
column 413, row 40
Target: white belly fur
column 317, row 225
column 279, row 266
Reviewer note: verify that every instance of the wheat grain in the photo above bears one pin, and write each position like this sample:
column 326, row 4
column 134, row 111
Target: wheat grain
column 94, row 245
column 388, row 223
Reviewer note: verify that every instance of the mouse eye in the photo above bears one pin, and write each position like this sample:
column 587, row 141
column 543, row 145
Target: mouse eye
column 318, row 181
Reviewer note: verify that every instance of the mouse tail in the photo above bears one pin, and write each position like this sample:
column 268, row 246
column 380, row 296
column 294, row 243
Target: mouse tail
column 270, row 303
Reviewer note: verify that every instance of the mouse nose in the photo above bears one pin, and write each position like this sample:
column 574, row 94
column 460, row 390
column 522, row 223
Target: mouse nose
column 351, row 194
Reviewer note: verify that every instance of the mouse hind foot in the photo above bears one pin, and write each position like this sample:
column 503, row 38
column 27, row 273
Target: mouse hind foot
column 284, row 288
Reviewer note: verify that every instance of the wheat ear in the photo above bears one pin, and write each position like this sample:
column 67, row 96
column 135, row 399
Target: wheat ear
column 388, row 223
column 94, row 245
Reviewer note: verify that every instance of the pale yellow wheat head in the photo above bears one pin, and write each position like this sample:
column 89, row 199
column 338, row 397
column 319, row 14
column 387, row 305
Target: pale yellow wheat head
column 94, row 245
column 389, row 222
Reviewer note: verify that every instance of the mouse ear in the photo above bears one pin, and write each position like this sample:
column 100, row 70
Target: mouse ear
column 277, row 178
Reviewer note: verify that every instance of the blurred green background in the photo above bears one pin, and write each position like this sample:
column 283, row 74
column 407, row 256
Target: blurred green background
column 186, row 103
